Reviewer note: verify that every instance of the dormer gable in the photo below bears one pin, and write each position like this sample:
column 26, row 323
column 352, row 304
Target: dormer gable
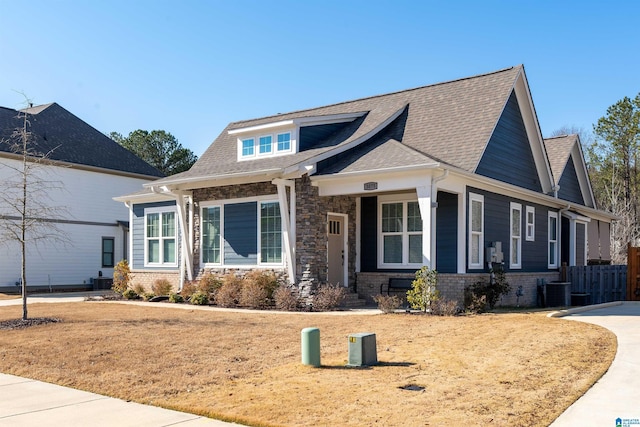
column 286, row 137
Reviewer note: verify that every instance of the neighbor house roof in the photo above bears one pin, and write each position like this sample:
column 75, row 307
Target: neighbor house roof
column 70, row 140
column 448, row 123
column 559, row 149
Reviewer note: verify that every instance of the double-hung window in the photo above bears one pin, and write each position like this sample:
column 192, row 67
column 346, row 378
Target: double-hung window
column 160, row 237
column 265, row 145
column 211, row 236
column 401, row 232
column 108, row 252
column 515, row 249
column 476, row 231
column 553, row 239
column 270, row 233
column 284, row 141
column 531, row 223
column 247, row 147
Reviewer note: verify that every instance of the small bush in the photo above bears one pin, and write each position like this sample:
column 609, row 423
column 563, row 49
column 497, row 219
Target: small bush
column 121, row 277
column 188, row 289
column 199, row 298
column 176, row 298
column 488, row 291
column 444, row 307
column 230, row 292
column 386, row 303
column 146, row 295
column 286, row 299
column 424, row 291
column 257, row 289
column 161, row 287
column 209, row 284
column 328, row 297
column 138, row 288
column 130, row 294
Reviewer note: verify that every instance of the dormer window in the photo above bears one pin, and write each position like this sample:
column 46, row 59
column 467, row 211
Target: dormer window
column 247, row 147
column 284, row 141
column 265, row 145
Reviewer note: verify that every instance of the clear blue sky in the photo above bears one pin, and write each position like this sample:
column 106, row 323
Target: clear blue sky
column 190, row 67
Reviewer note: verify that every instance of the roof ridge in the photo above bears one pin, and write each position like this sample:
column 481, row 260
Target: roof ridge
column 560, row 136
column 378, row 96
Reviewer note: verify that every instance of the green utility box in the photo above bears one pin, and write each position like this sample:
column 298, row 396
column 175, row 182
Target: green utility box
column 362, row 349
column 310, row 342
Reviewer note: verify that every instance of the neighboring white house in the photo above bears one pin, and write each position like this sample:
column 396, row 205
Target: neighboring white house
column 92, row 169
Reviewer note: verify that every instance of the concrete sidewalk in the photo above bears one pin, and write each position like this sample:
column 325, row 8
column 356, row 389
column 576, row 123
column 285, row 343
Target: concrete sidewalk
column 30, row 403
column 614, row 396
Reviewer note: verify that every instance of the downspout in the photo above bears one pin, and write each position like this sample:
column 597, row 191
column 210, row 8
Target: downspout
column 288, row 224
column 434, row 207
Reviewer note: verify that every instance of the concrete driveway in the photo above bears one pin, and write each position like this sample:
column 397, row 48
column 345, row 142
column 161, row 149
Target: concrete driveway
column 614, row 400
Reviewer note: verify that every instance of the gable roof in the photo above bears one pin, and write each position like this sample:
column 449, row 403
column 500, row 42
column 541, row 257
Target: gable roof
column 564, row 151
column 71, row 140
column 448, row 124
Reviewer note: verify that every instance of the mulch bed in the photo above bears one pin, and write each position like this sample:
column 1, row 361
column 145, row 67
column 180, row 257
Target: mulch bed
column 21, row 323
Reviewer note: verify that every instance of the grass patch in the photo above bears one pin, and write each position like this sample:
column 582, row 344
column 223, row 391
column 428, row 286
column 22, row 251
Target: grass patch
column 9, row 296
column 495, row 369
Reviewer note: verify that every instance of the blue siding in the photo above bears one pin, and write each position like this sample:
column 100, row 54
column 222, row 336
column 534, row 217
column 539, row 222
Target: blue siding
column 569, row 184
column 447, row 233
column 369, row 233
column 311, row 136
column 497, row 229
column 508, row 155
column 241, row 234
column 136, row 257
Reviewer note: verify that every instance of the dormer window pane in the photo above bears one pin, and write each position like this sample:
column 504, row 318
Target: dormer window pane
column 247, row 147
column 265, row 144
column 284, row 141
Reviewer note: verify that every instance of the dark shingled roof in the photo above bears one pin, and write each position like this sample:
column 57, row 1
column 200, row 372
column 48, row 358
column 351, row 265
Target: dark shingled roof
column 448, row 123
column 71, row 139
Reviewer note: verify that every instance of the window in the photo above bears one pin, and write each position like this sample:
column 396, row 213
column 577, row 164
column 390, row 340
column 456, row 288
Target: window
column 531, row 223
column 270, row 233
column 160, row 237
column 107, row 252
column 401, row 229
column 245, row 232
column 476, row 230
column 515, row 259
column 284, row 141
column 247, row 147
column 211, row 235
column 553, row 240
column 265, row 145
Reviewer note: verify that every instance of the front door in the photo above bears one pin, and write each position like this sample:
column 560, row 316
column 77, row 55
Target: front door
column 336, row 244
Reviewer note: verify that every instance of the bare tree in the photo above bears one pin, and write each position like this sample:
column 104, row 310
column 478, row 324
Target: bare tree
column 28, row 215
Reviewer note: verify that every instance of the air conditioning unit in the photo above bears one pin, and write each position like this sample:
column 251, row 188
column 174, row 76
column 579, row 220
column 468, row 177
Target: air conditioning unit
column 362, row 349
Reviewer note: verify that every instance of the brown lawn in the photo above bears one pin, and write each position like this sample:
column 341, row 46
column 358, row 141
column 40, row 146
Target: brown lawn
column 8, row 296
column 497, row 369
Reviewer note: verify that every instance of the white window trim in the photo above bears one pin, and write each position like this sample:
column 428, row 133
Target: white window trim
column 549, row 241
column 293, row 144
column 473, row 266
column 518, row 264
column 405, row 234
column 204, row 206
column 221, row 204
column 530, row 227
column 160, row 210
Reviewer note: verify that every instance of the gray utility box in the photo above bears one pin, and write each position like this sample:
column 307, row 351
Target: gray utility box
column 558, row 294
column 362, row 349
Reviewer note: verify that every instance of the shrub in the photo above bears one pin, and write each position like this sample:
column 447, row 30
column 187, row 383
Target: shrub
column 257, row 289
column 161, row 287
column 121, row 277
column 229, row 294
column 328, row 297
column 286, row 298
column 130, row 294
column 444, row 307
column 176, row 298
column 386, row 303
column 488, row 292
column 188, row 289
column 209, row 284
column 138, row 288
column 199, row 298
column 423, row 291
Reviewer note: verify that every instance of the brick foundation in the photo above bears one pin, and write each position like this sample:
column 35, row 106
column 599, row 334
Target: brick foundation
column 147, row 278
column 451, row 286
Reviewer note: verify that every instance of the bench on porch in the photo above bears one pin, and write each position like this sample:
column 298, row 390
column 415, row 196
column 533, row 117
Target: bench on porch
column 398, row 284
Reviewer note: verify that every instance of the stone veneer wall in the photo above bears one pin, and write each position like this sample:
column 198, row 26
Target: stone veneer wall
column 451, row 286
column 311, row 224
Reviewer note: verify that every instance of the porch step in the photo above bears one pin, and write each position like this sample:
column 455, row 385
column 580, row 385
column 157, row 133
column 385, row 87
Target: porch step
column 352, row 300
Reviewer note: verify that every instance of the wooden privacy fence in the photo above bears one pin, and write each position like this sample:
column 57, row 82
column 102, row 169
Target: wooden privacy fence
column 603, row 283
column 633, row 274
